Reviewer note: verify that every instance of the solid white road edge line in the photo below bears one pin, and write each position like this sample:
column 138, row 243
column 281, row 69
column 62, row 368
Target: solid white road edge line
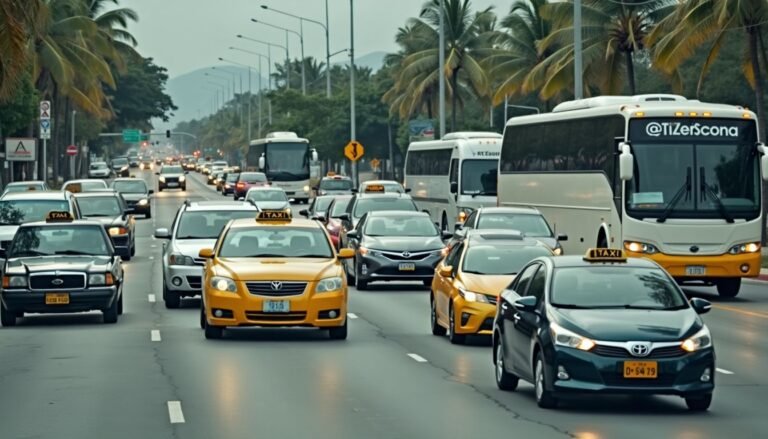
column 724, row 372
column 418, row 358
column 152, row 298
column 174, row 412
column 351, row 315
column 154, row 335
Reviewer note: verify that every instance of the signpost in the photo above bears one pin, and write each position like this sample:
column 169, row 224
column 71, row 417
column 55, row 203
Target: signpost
column 354, row 150
column 72, row 150
column 131, row 136
column 20, row 149
column 45, row 134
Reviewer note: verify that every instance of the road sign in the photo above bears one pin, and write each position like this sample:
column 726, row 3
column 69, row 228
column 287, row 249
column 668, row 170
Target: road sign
column 131, row 136
column 71, row 150
column 354, row 150
column 20, row 149
column 45, row 128
column 45, row 110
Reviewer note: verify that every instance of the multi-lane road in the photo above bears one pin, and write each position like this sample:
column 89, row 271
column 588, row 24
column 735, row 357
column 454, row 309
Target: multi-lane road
column 153, row 375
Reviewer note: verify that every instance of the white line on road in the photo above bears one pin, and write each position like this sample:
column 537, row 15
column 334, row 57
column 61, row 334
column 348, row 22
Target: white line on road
column 152, row 298
column 153, row 246
column 418, row 358
column 151, row 257
column 352, row 315
column 175, row 413
column 154, row 335
column 724, row 372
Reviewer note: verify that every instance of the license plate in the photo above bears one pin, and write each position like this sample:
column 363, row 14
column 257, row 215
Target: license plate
column 276, row 306
column 695, row 270
column 407, row 267
column 57, row 299
column 641, row 369
column 172, row 184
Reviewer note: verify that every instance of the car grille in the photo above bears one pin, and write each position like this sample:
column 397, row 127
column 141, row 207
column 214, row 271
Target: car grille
column 286, row 288
column 394, row 271
column 620, row 352
column 617, row 379
column 72, row 281
column 492, row 299
column 401, row 256
column 199, row 261
column 171, row 179
column 298, row 316
column 195, row 281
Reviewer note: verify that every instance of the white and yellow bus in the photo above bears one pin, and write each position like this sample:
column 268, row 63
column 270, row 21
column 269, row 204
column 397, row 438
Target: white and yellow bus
column 674, row 180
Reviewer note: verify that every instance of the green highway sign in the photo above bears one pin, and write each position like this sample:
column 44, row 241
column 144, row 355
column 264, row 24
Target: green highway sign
column 131, row 136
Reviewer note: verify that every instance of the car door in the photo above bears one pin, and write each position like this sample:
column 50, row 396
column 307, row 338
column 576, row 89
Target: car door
column 507, row 313
column 526, row 323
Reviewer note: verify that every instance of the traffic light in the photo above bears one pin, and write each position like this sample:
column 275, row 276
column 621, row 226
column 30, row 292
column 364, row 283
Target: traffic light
column 167, row 134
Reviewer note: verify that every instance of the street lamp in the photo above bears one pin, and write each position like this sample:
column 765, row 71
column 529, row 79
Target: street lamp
column 220, row 89
column 352, row 117
column 327, row 39
column 250, row 92
column 441, row 70
column 236, row 101
column 578, row 84
column 269, row 102
column 220, row 77
column 301, row 42
column 269, row 55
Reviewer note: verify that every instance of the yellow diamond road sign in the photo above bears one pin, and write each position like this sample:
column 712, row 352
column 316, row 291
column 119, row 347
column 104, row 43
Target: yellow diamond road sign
column 354, row 150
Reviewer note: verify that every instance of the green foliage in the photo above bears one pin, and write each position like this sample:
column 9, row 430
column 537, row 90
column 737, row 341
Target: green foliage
column 21, row 109
column 140, row 95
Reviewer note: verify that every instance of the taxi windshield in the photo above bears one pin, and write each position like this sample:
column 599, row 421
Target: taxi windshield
column 336, row 184
column 527, row 224
column 207, row 224
column 23, row 187
column 27, row 211
column 607, row 287
column 99, row 206
column 500, row 260
column 267, row 196
column 59, row 240
column 130, row 187
column 277, row 242
column 366, row 205
column 400, row 226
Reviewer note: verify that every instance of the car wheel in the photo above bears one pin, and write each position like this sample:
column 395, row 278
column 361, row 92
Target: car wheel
column 362, row 285
column 213, row 332
column 339, row 332
column 7, row 318
column 452, row 335
column 699, row 403
column 126, row 257
column 504, row 379
column 202, row 316
column 133, row 249
column 148, row 215
column 120, row 305
column 427, row 283
column 729, row 287
column 544, row 397
column 172, row 300
column 111, row 313
column 183, row 188
column 159, row 189
column 436, row 328
column 350, row 277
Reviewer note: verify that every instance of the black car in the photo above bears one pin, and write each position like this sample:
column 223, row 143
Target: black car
column 394, row 246
column 360, row 204
column 134, row 161
column 171, row 177
column 602, row 324
column 318, row 207
column 228, row 185
column 120, row 166
column 526, row 220
column 136, row 194
column 110, row 209
column 61, row 266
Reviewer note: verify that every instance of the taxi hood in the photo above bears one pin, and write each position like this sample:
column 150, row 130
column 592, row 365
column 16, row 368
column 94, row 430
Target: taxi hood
column 491, row 285
column 629, row 324
column 63, row 263
column 283, row 269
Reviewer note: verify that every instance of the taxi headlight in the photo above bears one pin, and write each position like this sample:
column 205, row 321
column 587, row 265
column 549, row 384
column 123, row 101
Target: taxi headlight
column 564, row 337
column 182, row 178
column 640, row 247
column 223, row 284
column 752, row 247
column 471, row 296
column 162, row 179
column 14, row 281
column 329, row 284
column 143, row 202
column 117, row 231
column 700, row 340
column 179, row 259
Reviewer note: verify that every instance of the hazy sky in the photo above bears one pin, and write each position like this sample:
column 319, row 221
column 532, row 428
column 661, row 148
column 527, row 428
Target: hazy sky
column 184, row 35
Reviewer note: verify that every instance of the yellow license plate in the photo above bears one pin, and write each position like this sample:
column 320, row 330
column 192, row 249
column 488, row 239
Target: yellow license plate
column 407, row 267
column 641, row 369
column 57, row 299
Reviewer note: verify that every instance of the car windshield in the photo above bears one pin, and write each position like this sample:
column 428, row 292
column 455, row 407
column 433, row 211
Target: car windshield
column 59, row 240
column 398, row 225
column 339, row 206
column 277, row 242
column 253, row 177
column 366, row 205
column 98, row 165
column 207, row 224
column 120, row 162
column 108, row 206
column 615, row 287
column 336, row 185
column 130, row 187
column 23, row 187
column 322, row 203
column 171, row 170
column 231, row 178
column 479, row 177
column 528, row 224
column 276, row 195
column 26, row 211
column 500, row 259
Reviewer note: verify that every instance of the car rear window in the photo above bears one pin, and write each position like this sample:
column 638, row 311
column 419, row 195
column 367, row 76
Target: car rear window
column 366, row 205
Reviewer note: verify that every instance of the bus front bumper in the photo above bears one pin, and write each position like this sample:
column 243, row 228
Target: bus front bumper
column 705, row 267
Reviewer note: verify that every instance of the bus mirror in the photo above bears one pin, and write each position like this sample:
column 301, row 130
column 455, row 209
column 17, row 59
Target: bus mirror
column 262, row 163
column 626, row 163
column 764, row 160
column 454, row 187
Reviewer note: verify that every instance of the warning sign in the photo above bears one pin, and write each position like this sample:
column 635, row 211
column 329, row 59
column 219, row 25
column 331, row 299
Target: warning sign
column 20, row 149
column 354, row 150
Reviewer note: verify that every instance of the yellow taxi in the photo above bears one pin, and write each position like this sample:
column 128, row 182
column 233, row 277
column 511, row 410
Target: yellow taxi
column 468, row 281
column 274, row 270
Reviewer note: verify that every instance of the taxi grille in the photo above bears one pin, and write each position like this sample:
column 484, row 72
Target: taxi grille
column 72, row 281
column 276, row 288
column 620, row 352
column 298, row 316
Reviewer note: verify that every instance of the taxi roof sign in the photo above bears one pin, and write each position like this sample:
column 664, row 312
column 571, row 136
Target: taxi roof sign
column 274, row 215
column 605, row 255
column 59, row 217
column 374, row 188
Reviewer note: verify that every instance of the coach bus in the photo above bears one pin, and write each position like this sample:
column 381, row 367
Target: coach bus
column 286, row 159
column 449, row 178
column 674, row 180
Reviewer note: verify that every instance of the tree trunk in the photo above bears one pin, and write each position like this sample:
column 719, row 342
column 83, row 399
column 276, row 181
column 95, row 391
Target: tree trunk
column 630, row 72
column 754, row 60
column 454, row 98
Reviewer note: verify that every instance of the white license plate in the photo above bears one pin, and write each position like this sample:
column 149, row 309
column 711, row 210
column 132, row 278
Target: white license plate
column 276, row 306
column 407, row 267
column 695, row 270
column 172, row 184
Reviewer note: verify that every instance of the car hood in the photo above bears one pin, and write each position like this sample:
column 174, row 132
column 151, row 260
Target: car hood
column 62, row 263
column 403, row 243
column 271, row 205
column 334, row 191
column 488, row 284
column 171, row 175
column 7, row 232
column 630, row 324
column 192, row 247
column 283, row 269
column 107, row 221
column 133, row 196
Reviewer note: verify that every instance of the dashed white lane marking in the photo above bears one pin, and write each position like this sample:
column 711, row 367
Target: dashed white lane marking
column 352, row 315
column 418, row 358
column 724, row 372
column 175, row 413
column 151, row 258
column 152, row 298
column 153, row 246
column 154, row 335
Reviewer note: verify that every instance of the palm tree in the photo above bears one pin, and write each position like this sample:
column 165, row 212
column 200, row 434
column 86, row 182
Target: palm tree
column 18, row 25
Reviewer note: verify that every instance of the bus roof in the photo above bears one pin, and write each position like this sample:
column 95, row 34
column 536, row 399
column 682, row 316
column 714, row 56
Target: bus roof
column 463, row 139
column 279, row 137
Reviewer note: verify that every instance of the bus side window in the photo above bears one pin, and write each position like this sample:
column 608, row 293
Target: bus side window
column 454, row 176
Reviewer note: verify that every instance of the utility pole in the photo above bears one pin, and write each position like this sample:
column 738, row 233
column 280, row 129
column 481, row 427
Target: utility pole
column 72, row 157
column 441, row 69
column 327, row 54
column 578, row 83
column 352, row 122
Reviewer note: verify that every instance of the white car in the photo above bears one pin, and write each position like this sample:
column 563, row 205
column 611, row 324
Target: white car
column 99, row 170
column 268, row 198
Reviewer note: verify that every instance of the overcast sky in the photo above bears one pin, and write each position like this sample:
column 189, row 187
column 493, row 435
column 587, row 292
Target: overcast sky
column 183, row 35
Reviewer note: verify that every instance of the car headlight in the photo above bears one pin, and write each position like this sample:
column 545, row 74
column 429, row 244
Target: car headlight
column 329, row 284
column 640, row 247
column 564, row 337
column 752, row 247
column 124, row 168
column 306, row 188
column 558, row 251
column 471, row 296
column 14, row 281
column 162, row 179
column 182, row 178
column 227, row 186
column 100, row 279
column 143, row 202
column 179, row 259
column 117, row 231
column 223, row 284
column 700, row 340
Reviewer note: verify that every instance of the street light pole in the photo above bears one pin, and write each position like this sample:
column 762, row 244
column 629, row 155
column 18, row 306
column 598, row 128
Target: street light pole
column 250, row 93
column 327, row 54
column 260, row 87
column 301, row 42
column 578, row 84
column 72, row 158
column 352, row 117
column 441, row 69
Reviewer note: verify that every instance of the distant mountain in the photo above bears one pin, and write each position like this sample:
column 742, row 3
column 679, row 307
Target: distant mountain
column 374, row 61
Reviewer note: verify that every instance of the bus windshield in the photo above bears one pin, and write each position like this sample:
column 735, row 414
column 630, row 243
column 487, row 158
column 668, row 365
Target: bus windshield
column 287, row 161
column 479, row 177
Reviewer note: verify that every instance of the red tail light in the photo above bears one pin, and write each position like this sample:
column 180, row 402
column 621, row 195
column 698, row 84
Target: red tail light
column 240, row 184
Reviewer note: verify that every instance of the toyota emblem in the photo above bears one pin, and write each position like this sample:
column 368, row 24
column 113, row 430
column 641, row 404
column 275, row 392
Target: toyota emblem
column 276, row 286
column 694, row 249
column 57, row 282
column 406, row 254
column 640, row 349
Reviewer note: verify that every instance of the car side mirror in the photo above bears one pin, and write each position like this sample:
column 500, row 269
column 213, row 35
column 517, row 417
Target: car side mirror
column 458, row 225
column 626, row 162
column 764, row 160
column 445, row 271
column 701, row 306
column 206, row 253
column 454, row 187
column 562, row 237
column 407, row 190
column 150, row 192
column 446, row 234
column 3, row 253
column 345, row 217
column 353, row 234
column 157, row 173
column 526, row 304
column 346, row 253
column 304, row 213
column 162, row 233
column 319, row 217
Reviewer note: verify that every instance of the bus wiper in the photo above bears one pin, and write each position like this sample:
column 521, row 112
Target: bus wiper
column 705, row 191
column 685, row 189
column 479, row 193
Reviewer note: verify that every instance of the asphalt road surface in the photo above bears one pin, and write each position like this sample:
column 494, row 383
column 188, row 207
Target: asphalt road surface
column 153, row 375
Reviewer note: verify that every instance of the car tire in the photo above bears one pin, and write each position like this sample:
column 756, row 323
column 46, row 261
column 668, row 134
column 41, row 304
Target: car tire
column 159, row 189
column 110, row 314
column 699, row 403
column 172, row 300
column 126, row 257
column 436, row 328
column 504, row 380
column 7, row 318
column 202, row 316
column 184, row 188
column 148, row 215
column 133, row 250
column 729, row 287
column 339, row 332
column 120, row 305
column 544, row 397
column 213, row 332
column 427, row 283
column 452, row 335
column 362, row 285
column 350, row 277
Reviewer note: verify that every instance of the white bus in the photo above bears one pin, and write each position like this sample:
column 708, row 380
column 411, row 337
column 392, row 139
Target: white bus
column 287, row 161
column 674, row 180
column 449, row 178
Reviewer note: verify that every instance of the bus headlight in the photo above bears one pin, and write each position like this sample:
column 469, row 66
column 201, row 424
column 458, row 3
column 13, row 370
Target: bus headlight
column 640, row 247
column 752, row 247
